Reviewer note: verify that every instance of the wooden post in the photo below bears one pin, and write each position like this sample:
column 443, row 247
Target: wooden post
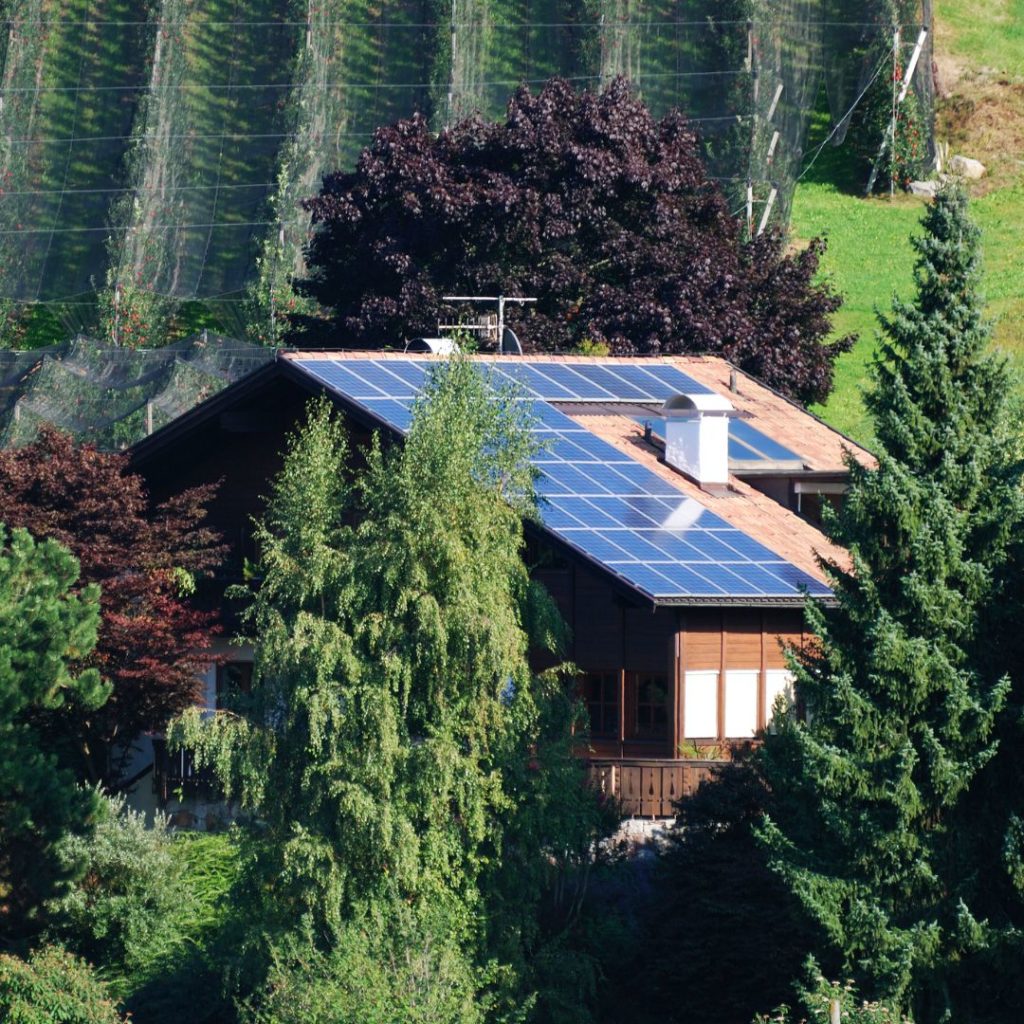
column 833, row 1011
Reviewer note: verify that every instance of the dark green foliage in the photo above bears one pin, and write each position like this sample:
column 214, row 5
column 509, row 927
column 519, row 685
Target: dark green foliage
column 401, row 970
column 44, row 628
column 200, row 940
column 901, row 703
column 723, row 936
column 583, row 201
column 53, row 987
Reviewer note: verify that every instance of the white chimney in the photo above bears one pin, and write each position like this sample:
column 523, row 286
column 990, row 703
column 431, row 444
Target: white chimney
column 697, row 437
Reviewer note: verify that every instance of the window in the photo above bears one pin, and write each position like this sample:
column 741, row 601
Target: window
column 600, row 692
column 741, row 702
column 778, row 681
column 700, row 706
column 233, row 678
column 651, row 720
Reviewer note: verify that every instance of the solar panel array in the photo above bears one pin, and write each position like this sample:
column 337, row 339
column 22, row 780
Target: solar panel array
column 594, row 497
column 747, row 444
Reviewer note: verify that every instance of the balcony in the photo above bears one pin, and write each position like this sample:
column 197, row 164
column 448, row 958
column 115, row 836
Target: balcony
column 649, row 787
column 175, row 774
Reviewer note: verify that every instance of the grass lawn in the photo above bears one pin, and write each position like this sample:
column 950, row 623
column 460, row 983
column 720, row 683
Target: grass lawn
column 869, row 257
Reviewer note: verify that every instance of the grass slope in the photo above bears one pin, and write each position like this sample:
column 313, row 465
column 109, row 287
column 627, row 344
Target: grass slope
column 980, row 54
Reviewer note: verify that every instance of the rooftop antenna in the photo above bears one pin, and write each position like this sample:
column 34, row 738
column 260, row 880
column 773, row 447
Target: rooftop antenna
column 494, row 329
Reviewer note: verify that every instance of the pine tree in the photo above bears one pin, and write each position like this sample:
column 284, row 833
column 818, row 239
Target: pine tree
column 900, row 703
column 396, row 743
column 45, row 629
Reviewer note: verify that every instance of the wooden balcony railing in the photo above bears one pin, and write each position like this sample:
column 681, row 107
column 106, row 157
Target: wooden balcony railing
column 649, row 788
column 175, row 773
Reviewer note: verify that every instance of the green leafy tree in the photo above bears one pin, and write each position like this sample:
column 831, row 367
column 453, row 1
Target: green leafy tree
column 44, row 628
column 721, row 910
column 396, row 743
column 901, row 703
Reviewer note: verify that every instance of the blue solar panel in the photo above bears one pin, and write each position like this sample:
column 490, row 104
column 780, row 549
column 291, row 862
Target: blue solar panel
column 739, row 452
column 378, row 374
column 693, row 581
column 390, row 411
column 614, row 385
column 579, row 383
column 636, row 547
column 341, row 378
column 601, row 546
column 659, row 382
column 596, row 497
column 751, row 437
column 586, row 512
column 412, row 373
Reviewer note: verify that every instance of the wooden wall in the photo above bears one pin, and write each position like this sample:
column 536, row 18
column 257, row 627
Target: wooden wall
column 730, row 643
column 737, row 654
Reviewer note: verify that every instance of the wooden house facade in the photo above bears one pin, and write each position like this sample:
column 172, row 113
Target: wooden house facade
column 672, row 681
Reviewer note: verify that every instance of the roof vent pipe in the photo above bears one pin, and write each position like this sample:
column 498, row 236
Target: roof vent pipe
column 697, row 437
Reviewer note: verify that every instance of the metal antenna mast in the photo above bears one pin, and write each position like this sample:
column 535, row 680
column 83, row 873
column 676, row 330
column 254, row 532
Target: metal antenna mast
column 501, row 300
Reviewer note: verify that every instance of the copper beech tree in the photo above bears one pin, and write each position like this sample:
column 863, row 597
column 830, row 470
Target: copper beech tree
column 585, row 201
column 153, row 644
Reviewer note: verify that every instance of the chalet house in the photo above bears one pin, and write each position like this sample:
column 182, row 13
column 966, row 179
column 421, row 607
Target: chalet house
column 680, row 505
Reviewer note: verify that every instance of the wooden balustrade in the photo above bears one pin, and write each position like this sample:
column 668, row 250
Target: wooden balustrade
column 649, row 788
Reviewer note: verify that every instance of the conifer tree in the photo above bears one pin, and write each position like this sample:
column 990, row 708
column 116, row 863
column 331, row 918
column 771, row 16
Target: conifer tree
column 394, row 735
column 900, row 704
column 45, row 629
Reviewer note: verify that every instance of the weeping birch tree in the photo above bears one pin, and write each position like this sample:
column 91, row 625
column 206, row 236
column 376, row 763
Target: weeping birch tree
column 396, row 743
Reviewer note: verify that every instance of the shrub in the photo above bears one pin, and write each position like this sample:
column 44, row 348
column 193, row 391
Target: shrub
column 126, row 912
column 819, row 994
column 53, row 987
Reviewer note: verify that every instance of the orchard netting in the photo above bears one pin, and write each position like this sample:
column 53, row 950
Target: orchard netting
column 113, row 397
column 156, row 152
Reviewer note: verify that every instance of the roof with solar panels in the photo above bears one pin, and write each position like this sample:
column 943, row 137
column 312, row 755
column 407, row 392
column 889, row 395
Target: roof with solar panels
column 614, row 482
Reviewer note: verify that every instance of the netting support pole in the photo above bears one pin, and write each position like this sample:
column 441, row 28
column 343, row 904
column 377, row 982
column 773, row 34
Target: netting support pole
column 892, row 123
column 772, row 145
column 912, row 66
column 149, row 418
column 767, row 210
column 775, row 102
column 750, row 208
column 451, row 67
column 117, row 315
column 890, row 136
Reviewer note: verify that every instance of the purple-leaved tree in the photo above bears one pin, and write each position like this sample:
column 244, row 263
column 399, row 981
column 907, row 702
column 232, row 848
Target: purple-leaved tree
column 583, row 200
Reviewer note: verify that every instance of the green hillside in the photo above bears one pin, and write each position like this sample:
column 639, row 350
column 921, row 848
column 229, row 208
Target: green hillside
column 980, row 59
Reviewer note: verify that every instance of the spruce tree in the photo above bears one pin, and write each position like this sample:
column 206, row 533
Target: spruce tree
column 900, row 704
